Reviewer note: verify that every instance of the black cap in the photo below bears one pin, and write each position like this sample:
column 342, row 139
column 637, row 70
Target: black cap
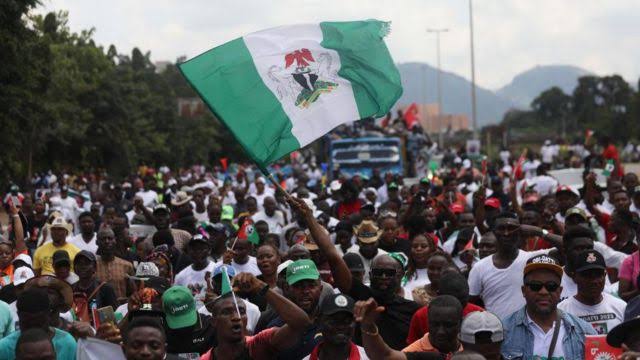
column 353, row 261
column 198, row 238
column 87, row 254
column 369, row 207
column 589, row 259
column 631, row 323
column 60, row 257
column 336, row 303
column 161, row 207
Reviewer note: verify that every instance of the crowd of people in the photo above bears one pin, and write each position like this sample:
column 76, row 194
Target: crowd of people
column 478, row 260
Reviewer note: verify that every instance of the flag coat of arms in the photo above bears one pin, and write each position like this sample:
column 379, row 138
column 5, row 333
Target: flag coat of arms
column 278, row 90
column 248, row 232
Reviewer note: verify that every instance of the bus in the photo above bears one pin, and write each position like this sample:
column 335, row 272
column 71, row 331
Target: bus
column 354, row 156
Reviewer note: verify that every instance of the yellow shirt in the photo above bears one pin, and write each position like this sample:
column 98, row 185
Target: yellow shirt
column 43, row 258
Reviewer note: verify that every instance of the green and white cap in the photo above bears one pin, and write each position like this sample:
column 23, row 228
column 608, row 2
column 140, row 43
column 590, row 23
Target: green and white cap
column 179, row 307
column 303, row 269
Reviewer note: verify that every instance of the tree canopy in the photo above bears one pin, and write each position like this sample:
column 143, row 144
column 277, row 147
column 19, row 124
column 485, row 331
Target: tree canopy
column 66, row 102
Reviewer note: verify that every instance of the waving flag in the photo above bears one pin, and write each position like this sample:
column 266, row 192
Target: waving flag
column 278, row 90
column 248, row 232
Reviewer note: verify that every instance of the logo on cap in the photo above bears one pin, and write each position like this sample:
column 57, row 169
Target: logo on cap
column 543, row 260
column 591, row 258
column 341, row 301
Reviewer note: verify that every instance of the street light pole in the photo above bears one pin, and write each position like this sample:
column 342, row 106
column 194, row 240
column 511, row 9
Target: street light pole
column 473, row 76
column 439, row 77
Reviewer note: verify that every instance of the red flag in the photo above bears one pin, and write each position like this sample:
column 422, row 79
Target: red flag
column 224, row 163
column 411, row 115
column 469, row 245
column 517, row 170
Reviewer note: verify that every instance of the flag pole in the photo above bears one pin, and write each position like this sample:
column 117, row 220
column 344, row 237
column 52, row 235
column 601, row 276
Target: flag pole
column 233, row 294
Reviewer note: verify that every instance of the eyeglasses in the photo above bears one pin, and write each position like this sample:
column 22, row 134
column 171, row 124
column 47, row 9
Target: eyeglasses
column 536, row 286
column 383, row 272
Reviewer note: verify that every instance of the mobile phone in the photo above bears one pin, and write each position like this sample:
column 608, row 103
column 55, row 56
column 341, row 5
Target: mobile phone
column 105, row 315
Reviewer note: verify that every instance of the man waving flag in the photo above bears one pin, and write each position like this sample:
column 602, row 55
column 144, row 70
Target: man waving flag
column 278, row 90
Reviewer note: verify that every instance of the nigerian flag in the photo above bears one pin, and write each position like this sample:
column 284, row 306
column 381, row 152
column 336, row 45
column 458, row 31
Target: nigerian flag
column 278, row 90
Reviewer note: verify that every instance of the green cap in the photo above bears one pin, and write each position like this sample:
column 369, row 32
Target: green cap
column 227, row 213
column 424, row 180
column 179, row 307
column 303, row 269
column 392, row 186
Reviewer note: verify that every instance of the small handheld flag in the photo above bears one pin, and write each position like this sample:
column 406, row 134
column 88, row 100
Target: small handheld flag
column 248, row 232
column 226, row 288
column 608, row 168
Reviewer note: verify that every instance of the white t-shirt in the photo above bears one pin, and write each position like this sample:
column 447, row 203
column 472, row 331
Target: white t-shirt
column 194, row 280
column 500, row 289
column 251, row 266
column 149, row 197
column 420, row 278
column 201, row 217
column 547, row 153
column 542, row 341
column 603, row 316
column 78, row 241
column 253, row 314
column 275, row 222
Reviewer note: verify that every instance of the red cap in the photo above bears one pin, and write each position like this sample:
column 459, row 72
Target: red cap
column 530, row 197
column 456, row 208
column 492, row 202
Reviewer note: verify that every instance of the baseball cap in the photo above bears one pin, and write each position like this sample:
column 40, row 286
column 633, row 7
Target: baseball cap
column 589, row 259
column 456, row 208
column 21, row 275
column 334, row 186
column 618, row 334
column 145, row 269
column 23, row 257
column 230, row 270
column 367, row 232
column 543, row 262
column 199, row 238
column 284, row 265
column 303, row 269
column 61, row 256
column 179, row 307
column 392, row 186
column 227, row 213
column 160, row 207
column 353, row 261
column 565, row 188
column 481, row 322
column 336, row 303
column 576, row 211
column 492, row 202
column 87, row 254
column 424, row 180
column 60, row 222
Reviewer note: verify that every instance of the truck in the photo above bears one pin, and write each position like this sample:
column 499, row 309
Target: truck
column 359, row 156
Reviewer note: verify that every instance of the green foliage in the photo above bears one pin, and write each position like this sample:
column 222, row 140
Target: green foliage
column 608, row 105
column 67, row 103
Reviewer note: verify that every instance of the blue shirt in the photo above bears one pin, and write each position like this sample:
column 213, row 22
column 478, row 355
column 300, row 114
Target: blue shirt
column 6, row 320
column 518, row 338
column 63, row 343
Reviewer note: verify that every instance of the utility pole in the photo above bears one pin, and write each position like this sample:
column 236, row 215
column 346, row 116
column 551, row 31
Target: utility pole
column 473, row 76
column 440, row 112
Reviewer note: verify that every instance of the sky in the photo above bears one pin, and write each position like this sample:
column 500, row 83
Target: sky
column 511, row 36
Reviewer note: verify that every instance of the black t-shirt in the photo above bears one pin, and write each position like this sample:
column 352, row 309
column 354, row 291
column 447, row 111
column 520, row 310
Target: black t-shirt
column 197, row 338
column 105, row 296
column 393, row 323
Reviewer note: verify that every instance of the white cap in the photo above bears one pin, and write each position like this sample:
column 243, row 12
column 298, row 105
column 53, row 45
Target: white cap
column 21, row 275
column 481, row 321
column 24, row 257
column 466, row 163
column 283, row 266
column 147, row 269
column 335, row 185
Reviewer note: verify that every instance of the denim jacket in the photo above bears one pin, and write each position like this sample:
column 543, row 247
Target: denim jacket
column 518, row 339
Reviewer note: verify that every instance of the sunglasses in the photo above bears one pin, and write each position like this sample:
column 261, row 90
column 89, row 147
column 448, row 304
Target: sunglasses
column 536, row 286
column 383, row 272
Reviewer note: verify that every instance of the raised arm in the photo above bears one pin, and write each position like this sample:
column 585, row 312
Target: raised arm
column 296, row 320
column 18, row 230
column 341, row 274
column 366, row 313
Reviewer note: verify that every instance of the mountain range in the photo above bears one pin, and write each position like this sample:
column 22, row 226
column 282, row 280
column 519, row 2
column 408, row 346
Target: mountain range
column 419, row 81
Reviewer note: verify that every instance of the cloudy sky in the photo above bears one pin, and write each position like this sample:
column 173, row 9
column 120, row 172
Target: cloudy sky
column 511, row 36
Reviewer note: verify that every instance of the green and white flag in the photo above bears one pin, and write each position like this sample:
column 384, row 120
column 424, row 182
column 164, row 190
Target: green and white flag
column 278, row 90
